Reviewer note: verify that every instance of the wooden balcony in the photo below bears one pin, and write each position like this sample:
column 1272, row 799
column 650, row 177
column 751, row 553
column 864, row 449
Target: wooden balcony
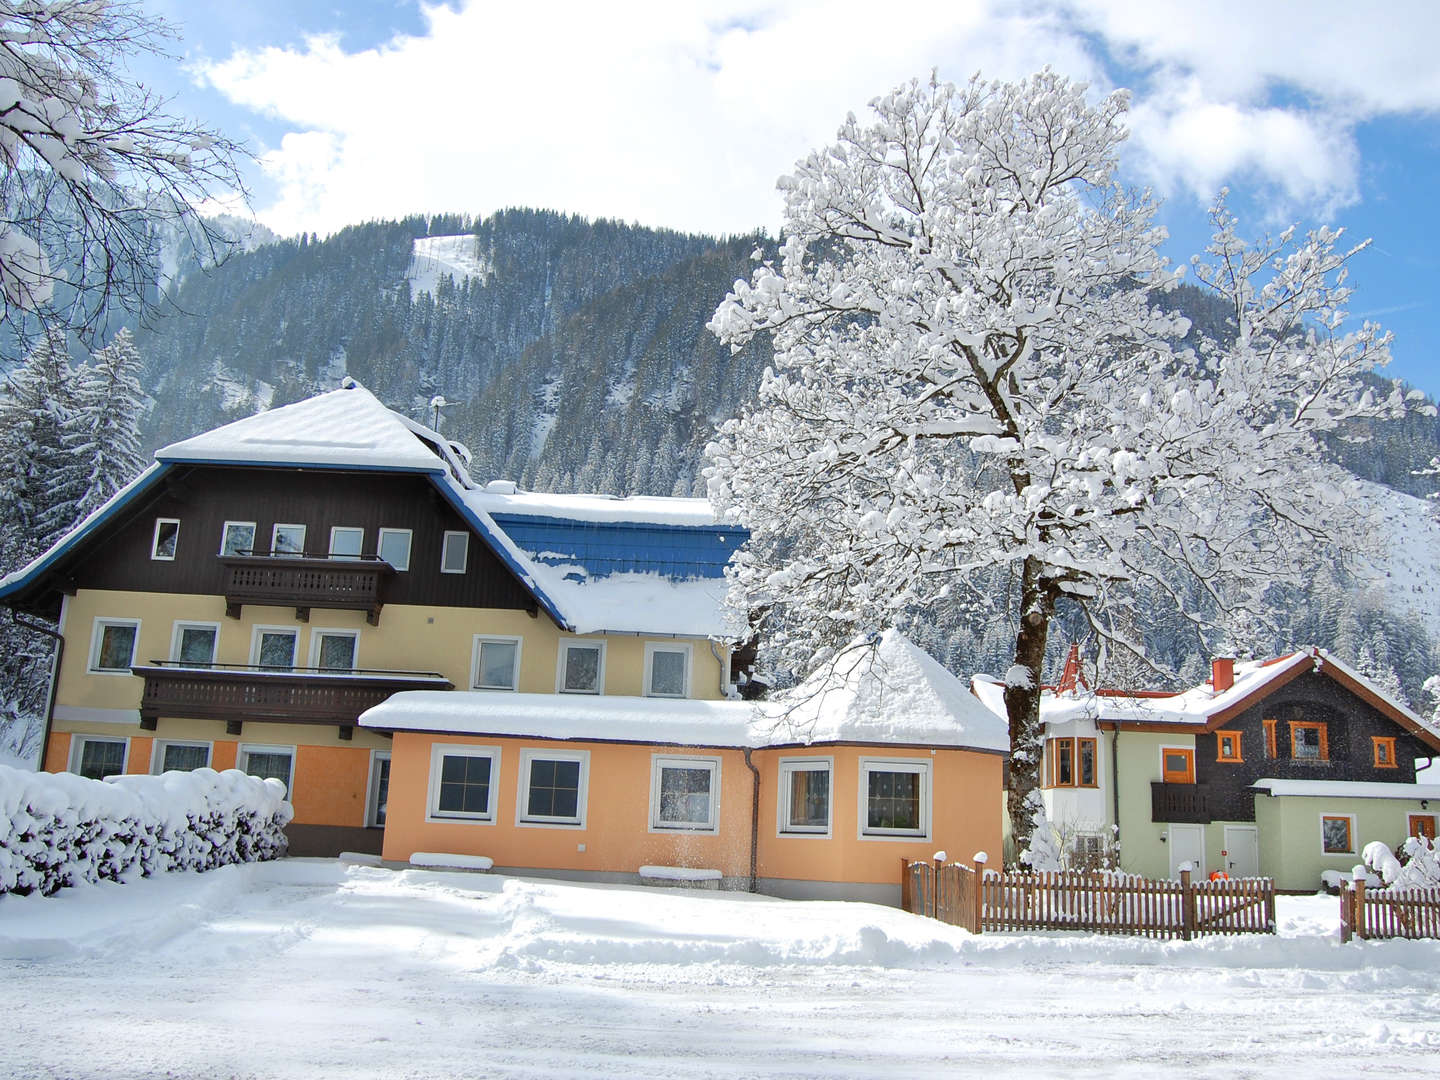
column 306, row 581
column 1179, row 803
column 235, row 693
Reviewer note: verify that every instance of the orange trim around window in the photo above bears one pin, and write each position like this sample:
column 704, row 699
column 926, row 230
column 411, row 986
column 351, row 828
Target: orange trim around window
column 1309, row 725
column 1087, row 763
column 1177, row 765
column 1382, row 750
column 1271, row 743
column 1227, row 746
column 1062, row 762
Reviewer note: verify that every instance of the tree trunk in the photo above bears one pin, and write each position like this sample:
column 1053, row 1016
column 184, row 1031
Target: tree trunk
column 1022, row 702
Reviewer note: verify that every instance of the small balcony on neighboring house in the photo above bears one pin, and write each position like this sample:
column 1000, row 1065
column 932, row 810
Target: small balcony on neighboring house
column 1183, row 804
column 235, row 693
column 352, row 583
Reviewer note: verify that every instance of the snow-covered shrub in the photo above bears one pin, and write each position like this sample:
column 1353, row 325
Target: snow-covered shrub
column 1418, row 866
column 1045, row 849
column 58, row 829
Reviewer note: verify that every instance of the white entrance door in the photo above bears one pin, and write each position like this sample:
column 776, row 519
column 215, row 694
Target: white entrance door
column 1242, row 847
column 1187, row 845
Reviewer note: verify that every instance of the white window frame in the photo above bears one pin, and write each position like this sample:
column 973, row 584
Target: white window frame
column 181, row 625
column 244, row 750
column 157, row 752
column 225, row 532
column 409, row 535
column 922, row 766
column 465, row 551
column 522, row 794
column 566, row 644
column 1353, row 836
column 658, row 763
column 275, row 535
column 438, row 753
column 498, row 639
column 260, row 629
column 317, row 632
column 97, row 636
column 372, row 791
column 653, row 647
column 783, row 828
column 77, row 751
column 347, row 528
column 155, row 540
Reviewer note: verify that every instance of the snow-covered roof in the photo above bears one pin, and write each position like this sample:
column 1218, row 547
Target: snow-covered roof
column 1202, row 706
column 890, row 692
column 1346, row 789
column 346, row 428
column 501, row 497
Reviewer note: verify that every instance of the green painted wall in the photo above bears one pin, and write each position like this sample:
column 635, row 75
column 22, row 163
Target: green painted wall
column 1138, row 753
column 1290, row 845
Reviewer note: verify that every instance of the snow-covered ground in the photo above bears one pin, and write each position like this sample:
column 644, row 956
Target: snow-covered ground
column 310, row 968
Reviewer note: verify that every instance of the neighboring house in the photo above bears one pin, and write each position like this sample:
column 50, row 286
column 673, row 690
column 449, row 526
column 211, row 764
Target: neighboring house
column 1283, row 768
column 817, row 794
column 245, row 599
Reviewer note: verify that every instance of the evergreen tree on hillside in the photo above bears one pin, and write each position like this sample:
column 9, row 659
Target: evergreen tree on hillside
column 104, row 435
column 39, row 489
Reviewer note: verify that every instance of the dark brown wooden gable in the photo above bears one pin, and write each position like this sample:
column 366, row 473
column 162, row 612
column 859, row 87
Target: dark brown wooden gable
column 203, row 498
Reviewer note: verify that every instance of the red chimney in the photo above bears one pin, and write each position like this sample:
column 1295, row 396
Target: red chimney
column 1222, row 673
column 1072, row 677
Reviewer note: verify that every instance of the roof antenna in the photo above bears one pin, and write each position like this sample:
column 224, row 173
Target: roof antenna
column 437, row 403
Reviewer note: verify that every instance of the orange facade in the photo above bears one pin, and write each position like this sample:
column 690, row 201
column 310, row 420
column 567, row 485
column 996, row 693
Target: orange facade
column 618, row 837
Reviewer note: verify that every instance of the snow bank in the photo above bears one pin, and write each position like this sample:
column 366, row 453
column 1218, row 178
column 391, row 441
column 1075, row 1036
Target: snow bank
column 59, row 829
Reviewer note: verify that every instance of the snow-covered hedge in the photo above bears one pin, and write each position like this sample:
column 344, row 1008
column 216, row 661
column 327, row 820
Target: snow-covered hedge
column 59, row 829
column 1418, row 866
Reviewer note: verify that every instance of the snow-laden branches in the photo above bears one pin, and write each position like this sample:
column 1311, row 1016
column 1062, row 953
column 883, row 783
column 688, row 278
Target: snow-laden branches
column 969, row 373
column 92, row 166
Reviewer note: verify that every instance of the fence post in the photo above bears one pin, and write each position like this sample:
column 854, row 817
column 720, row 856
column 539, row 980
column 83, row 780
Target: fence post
column 1359, row 883
column 1187, row 905
column 978, row 923
column 907, row 890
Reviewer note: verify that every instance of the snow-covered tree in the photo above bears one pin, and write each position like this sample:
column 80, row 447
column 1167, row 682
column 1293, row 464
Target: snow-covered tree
column 36, row 408
column 92, row 166
column 969, row 375
column 104, row 436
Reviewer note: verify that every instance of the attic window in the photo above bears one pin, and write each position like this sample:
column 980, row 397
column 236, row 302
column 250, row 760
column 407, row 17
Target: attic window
column 1227, row 746
column 455, row 553
column 1383, row 750
column 167, row 538
column 1309, row 741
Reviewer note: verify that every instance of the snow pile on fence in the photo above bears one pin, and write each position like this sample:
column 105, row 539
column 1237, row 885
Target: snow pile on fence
column 58, row 829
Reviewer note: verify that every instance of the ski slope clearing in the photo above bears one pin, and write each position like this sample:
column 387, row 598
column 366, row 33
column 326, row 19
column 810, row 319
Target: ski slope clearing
column 435, row 256
column 308, row 968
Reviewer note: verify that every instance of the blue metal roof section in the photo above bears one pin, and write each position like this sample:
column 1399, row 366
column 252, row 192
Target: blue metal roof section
column 676, row 552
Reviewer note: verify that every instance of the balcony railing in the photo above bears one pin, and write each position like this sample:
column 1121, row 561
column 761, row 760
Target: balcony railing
column 1179, row 803
column 236, row 693
column 306, row 581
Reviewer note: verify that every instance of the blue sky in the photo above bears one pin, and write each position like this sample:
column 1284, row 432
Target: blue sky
column 684, row 114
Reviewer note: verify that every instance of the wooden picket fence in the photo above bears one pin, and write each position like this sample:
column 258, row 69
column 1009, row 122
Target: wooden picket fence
column 1374, row 914
column 1098, row 903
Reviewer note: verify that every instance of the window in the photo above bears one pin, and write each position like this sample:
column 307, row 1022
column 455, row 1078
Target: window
column 346, row 542
column 273, row 647
column 1271, row 743
column 377, row 798
column 1309, row 741
column 684, row 793
column 288, row 541
column 1227, row 746
column 805, row 796
column 1382, row 749
column 894, row 797
column 334, row 650
column 667, row 671
column 495, row 664
column 237, row 538
column 454, row 552
column 96, row 758
column 552, row 787
column 181, row 756
column 394, row 547
column 1177, row 765
column 112, row 648
column 269, row 763
column 1337, row 834
column 582, row 667
column 166, row 540
column 1421, row 825
column 1072, row 762
column 463, row 782
column 194, row 643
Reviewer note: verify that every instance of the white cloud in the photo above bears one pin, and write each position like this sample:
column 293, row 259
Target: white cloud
column 684, row 115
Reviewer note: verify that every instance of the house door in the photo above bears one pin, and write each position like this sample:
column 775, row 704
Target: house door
column 1187, row 845
column 379, row 795
column 1242, row 848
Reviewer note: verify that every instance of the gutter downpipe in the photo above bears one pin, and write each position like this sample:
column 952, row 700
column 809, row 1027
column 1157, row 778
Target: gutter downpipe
column 1115, row 778
column 754, row 817
column 54, row 679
